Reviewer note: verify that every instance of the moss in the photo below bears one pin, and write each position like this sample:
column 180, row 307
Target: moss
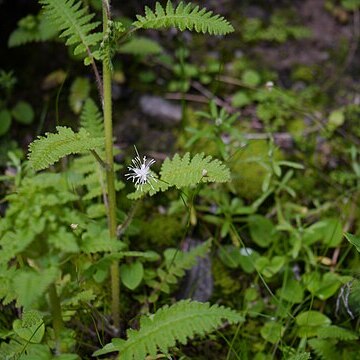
column 163, row 230
column 223, row 279
column 249, row 167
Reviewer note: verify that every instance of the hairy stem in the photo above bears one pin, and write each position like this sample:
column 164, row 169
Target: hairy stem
column 56, row 315
column 110, row 175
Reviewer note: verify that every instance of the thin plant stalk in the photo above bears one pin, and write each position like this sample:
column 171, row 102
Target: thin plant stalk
column 56, row 315
column 110, row 175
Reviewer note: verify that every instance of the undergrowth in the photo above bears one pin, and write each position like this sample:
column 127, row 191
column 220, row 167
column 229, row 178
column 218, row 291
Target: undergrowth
column 240, row 244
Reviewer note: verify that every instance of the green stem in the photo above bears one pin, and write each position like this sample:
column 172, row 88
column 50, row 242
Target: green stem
column 56, row 315
column 110, row 175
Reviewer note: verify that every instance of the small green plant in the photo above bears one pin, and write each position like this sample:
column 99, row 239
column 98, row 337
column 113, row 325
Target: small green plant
column 48, row 251
column 98, row 258
column 20, row 111
column 278, row 30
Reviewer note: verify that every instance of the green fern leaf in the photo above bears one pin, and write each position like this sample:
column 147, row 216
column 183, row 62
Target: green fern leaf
column 336, row 332
column 7, row 294
column 74, row 23
column 179, row 322
column 183, row 172
column 324, row 349
column 88, row 172
column 183, row 17
column 11, row 246
column 45, row 151
column 177, row 262
column 96, row 239
column 301, row 356
column 30, row 286
column 91, row 119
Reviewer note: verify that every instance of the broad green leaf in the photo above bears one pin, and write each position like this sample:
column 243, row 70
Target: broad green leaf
column 312, row 318
column 336, row 119
column 262, row 230
column 132, row 274
column 23, row 112
column 272, row 332
column 5, row 121
column 251, row 78
column 269, row 267
column 354, row 240
column 328, row 231
column 229, row 255
column 329, row 285
column 292, row 291
column 247, row 259
column 310, row 321
column 240, row 99
column 333, row 232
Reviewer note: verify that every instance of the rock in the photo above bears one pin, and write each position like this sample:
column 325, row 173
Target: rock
column 160, row 110
column 198, row 283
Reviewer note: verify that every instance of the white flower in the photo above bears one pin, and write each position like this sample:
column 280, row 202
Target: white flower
column 140, row 172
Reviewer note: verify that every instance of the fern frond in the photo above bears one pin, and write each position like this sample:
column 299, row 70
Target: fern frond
column 30, row 286
column 301, row 356
column 12, row 243
column 45, row 151
column 336, row 332
column 182, row 172
column 179, row 322
column 324, row 349
column 185, row 172
column 74, row 23
column 177, row 262
column 91, row 119
column 94, row 186
column 91, row 173
column 7, row 295
column 183, row 17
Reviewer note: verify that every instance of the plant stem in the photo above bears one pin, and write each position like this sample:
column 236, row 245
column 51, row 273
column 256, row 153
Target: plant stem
column 56, row 315
column 110, row 175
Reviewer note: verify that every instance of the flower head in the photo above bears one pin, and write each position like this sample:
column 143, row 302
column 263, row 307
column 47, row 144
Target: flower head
column 140, row 172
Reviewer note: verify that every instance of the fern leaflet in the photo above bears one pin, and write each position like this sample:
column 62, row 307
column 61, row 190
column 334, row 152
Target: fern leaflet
column 74, row 23
column 182, row 172
column 176, row 263
column 185, row 172
column 91, row 119
column 301, row 356
column 336, row 332
column 183, row 17
column 161, row 330
column 324, row 349
column 45, row 151
column 30, row 286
